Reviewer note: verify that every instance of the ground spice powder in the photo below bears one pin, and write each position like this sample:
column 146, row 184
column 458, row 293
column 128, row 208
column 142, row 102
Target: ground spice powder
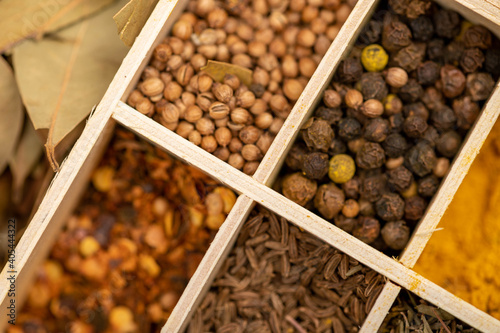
column 463, row 258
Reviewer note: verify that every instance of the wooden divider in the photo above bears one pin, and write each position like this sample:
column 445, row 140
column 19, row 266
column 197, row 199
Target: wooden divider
column 301, row 217
column 69, row 182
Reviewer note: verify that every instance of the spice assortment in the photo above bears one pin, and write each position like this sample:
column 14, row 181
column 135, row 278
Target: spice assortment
column 229, row 73
column 411, row 314
column 278, row 278
column 129, row 250
column 374, row 153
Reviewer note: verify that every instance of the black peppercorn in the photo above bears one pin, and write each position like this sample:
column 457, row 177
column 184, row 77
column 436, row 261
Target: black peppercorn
column 317, row 134
column 371, row 32
column 432, row 98
column 344, row 223
column 331, row 115
column 395, row 34
column 409, row 57
column 411, row 91
column 294, row 158
column 477, row 36
column 410, row 8
column 421, row 159
column 390, row 207
column 415, row 207
column 466, row 111
column 315, row 165
column 422, row 28
column 492, row 61
column 428, row 186
column 329, row 200
column 350, row 70
column 367, row 229
column 370, row 156
column 351, row 188
column 479, row 86
column 298, row 188
column 349, row 128
column 448, row 144
column 443, row 118
column 396, row 234
column 337, row 147
column 431, row 136
column 435, row 49
column 399, row 179
column 416, row 109
column 372, row 187
column 395, row 145
column 428, row 73
column 414, row 126
column 376, row 130
column 472, row 60
column 453, row 52
column 373, row 86
column 446, row 23
column 396, row 122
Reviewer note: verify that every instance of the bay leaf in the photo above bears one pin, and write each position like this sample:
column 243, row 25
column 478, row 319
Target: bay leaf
column 27, row 155
column 11, row 113
column 217, row 70
column 61, row 78
column 21, row 19
column 132, row 17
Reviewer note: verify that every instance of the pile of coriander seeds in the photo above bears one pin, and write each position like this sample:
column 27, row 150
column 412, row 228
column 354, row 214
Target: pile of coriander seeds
column 374, row 153
column 278, row 44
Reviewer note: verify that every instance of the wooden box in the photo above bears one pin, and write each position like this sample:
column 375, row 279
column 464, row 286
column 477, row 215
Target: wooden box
column 70, row 182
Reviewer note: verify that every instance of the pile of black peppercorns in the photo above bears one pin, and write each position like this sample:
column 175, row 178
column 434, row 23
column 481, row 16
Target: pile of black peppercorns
column 397, row 111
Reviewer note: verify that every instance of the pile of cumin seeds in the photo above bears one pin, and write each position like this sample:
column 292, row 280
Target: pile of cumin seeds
column 280, row 279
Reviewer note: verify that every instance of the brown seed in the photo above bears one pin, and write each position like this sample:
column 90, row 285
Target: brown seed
column 249, row 134
column 251, row 152
column 235, row 145
column 182, row 29
column 184, row 74
column 236, row 160
column 264, row 120
column 170, row 113
column 353, row 98
column 332, row 99
column 223, row 136
column 172, row 91
column 204, row 83
column 134, row 98
column 245, row 100
column 152, row 86
column 195, row 137
column 184, row 129
column 222, row 92
column 351, row 208
column 205, row 126
column 162, row 52
column 306, row 38
column 218, row 110
column 292, row 89
column 396, row 77
column 209, row 143
column 240, row 116
column 193, row 114
column 372, row 108
column 145, row 106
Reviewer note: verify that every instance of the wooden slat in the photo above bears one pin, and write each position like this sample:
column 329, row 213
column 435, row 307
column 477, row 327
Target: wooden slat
column 202, row 279
column 69, row 183
column 392, row 269
column 312, row 94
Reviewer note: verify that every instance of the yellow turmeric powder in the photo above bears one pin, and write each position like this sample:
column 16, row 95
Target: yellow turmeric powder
column 464, row 258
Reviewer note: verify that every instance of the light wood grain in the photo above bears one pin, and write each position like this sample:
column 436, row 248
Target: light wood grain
column 69, row 183
column 202, row 279
column 312, row 94
column 392, row 269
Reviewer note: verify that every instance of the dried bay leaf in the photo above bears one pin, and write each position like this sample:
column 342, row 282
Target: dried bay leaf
column 21, row 19
column 11, row 113
column 217, row 70
column 132, row 17
column 27, row 154
column 62, row 78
